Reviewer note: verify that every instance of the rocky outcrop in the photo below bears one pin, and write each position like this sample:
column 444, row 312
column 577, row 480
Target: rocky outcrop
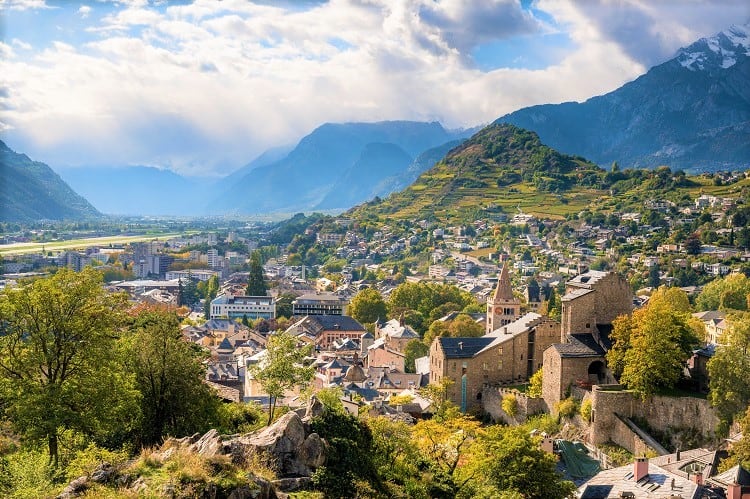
column 288, row 446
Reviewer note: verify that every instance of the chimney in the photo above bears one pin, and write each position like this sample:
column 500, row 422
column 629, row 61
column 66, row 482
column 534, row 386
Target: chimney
column 734, row 491
column 640, row 468
column 697, row 478
column 677, row 455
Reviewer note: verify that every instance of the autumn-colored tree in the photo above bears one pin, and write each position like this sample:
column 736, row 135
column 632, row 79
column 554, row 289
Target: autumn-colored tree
column 729, row 370
column 662, row 337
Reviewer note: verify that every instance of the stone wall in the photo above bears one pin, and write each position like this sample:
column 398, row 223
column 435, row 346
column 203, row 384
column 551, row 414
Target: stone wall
column 685, row 421
column 560, row 373
column 492, row 399
column 579, row 314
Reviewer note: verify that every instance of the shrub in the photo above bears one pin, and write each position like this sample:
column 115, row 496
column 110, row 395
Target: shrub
column 26, row 474
column 510, row 405
column 87, row 460
column 535, row 384
column 567, row 408
column 586, row 410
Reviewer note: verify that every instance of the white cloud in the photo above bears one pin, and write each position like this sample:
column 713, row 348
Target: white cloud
column 201, row 85
column 84, row 11
column 23, row 4
column 650, row 32
column 21, row 44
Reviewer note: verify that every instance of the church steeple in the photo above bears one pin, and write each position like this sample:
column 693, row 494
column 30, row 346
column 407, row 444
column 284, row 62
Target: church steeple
column 503, row 290
column 502, row 307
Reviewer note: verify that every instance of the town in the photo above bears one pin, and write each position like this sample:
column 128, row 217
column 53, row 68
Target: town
column 507, row 317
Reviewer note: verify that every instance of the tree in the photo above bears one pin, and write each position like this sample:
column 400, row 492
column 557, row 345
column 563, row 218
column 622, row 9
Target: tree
column 58, row 358
column 367, row 306
column 256, row 282
column 282, row 368
column 212, row 288
column 729, row 370
column 728, row 293
column 169, row 374
column 462, row 326
column 284, row 307
column 412, row 351
column 693, row 245
column 662, row 337
column 535, row 384
column 187, row 293
column 740, row 452
column 448, row 444
column 510, row 405
column 511, row 461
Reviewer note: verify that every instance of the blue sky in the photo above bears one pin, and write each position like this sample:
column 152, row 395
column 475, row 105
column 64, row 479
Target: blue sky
column 203, row 86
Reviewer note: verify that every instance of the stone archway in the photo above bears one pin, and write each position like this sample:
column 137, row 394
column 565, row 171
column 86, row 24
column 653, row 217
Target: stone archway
column 597, row 372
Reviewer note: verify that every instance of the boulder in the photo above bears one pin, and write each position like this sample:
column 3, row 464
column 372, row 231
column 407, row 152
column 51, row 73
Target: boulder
column 75, row 488
column 292, row 484
column 208, row 445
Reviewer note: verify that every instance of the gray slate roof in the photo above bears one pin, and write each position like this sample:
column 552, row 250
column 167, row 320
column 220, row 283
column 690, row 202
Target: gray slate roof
column 462, row 348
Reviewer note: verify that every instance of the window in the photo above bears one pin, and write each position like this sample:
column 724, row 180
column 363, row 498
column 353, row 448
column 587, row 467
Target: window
column 485, row 367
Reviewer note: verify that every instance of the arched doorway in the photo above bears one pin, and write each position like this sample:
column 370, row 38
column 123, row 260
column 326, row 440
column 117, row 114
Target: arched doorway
column 597, row 372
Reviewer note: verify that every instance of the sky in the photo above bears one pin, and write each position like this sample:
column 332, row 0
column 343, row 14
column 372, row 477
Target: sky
column 202, row 87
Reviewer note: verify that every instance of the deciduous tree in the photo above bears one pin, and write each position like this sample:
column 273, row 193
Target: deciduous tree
column 729, row 370
column 58, row 358
column 367, row 306
column 169, row 373
column 662, row 337
column 282, row 368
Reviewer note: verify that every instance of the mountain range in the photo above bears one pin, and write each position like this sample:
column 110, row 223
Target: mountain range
column 32, row 191
column 691, row 112
column 334, row 167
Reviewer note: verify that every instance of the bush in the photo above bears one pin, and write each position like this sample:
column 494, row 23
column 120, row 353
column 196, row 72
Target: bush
column 567, row 408
column 239, row 417
column 535, row 384
column 85, row 461
column 26, row 474
column 510, row 405
column 586, row 410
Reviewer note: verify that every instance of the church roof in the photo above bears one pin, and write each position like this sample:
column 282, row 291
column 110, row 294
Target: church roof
column 462, row 348
column 503, row 291
column 587, row 278
column 510, row 331
column 579, row 345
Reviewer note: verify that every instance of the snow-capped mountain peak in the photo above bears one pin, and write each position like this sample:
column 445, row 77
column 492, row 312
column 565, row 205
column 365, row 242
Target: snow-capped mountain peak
column 720, row 50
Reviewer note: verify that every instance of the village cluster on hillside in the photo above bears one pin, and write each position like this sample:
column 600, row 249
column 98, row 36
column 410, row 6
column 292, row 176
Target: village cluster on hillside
column 546, row 293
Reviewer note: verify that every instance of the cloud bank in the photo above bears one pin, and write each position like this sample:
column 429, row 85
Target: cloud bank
column 203, row 87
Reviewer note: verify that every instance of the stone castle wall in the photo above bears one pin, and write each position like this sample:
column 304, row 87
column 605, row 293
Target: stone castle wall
column 492, row 399
column 686, row 421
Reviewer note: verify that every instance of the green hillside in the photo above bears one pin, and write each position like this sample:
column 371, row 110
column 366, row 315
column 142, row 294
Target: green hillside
column 30, row 190
column 504, row 168
column 501, row 167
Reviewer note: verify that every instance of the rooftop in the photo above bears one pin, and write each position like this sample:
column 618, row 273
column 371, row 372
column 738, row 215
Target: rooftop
column 462, row 348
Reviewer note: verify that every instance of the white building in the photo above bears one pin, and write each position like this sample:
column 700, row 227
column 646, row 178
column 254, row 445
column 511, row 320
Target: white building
column 236, row 307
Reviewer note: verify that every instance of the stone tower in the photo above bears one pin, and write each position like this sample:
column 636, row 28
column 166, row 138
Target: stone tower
column 502, row 307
